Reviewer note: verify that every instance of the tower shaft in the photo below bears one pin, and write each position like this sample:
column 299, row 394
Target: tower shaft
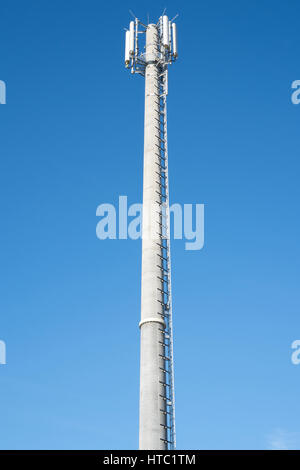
column 153, row 421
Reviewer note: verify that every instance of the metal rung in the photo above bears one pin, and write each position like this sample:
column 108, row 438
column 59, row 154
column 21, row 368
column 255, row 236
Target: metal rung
column 160, row 165
column 161, row 290
column 163, row 269
column 162, row 279
column 165, row 426
column 165, row 399
column 158, row 154
column 162, row 257
column 162, row 225
column 165, row 412
column 163, row 315
column 166, row 441
column 164, row 370
column 166, row 345
column 162, row 247
column 164, row 357
column 161, row 148
column 161, row 185
column 164, row 384
column 162, row 303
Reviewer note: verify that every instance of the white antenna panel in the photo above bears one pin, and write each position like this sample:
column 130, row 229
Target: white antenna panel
column 127, row 55
column 131, row 38
column 174, row 37
column 165, row 35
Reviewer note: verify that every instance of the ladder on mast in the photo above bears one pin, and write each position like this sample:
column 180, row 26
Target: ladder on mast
column 166, row 264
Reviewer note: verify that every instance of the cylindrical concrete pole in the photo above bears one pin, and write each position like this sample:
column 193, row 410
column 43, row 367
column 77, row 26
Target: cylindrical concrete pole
column 152, row 376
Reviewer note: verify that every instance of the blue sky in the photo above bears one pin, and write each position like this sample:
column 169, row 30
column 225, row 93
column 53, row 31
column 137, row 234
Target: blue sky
column 71, row 139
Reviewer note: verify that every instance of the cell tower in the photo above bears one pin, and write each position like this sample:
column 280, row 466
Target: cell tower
column 157, row 398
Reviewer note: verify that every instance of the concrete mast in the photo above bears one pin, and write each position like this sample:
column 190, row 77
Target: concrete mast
column 157, row 397
column 152, row 376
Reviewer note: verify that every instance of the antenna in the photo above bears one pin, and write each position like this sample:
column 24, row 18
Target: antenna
column 167, row 37
column 174, row 18
column 157, row 395
column 132, row 14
